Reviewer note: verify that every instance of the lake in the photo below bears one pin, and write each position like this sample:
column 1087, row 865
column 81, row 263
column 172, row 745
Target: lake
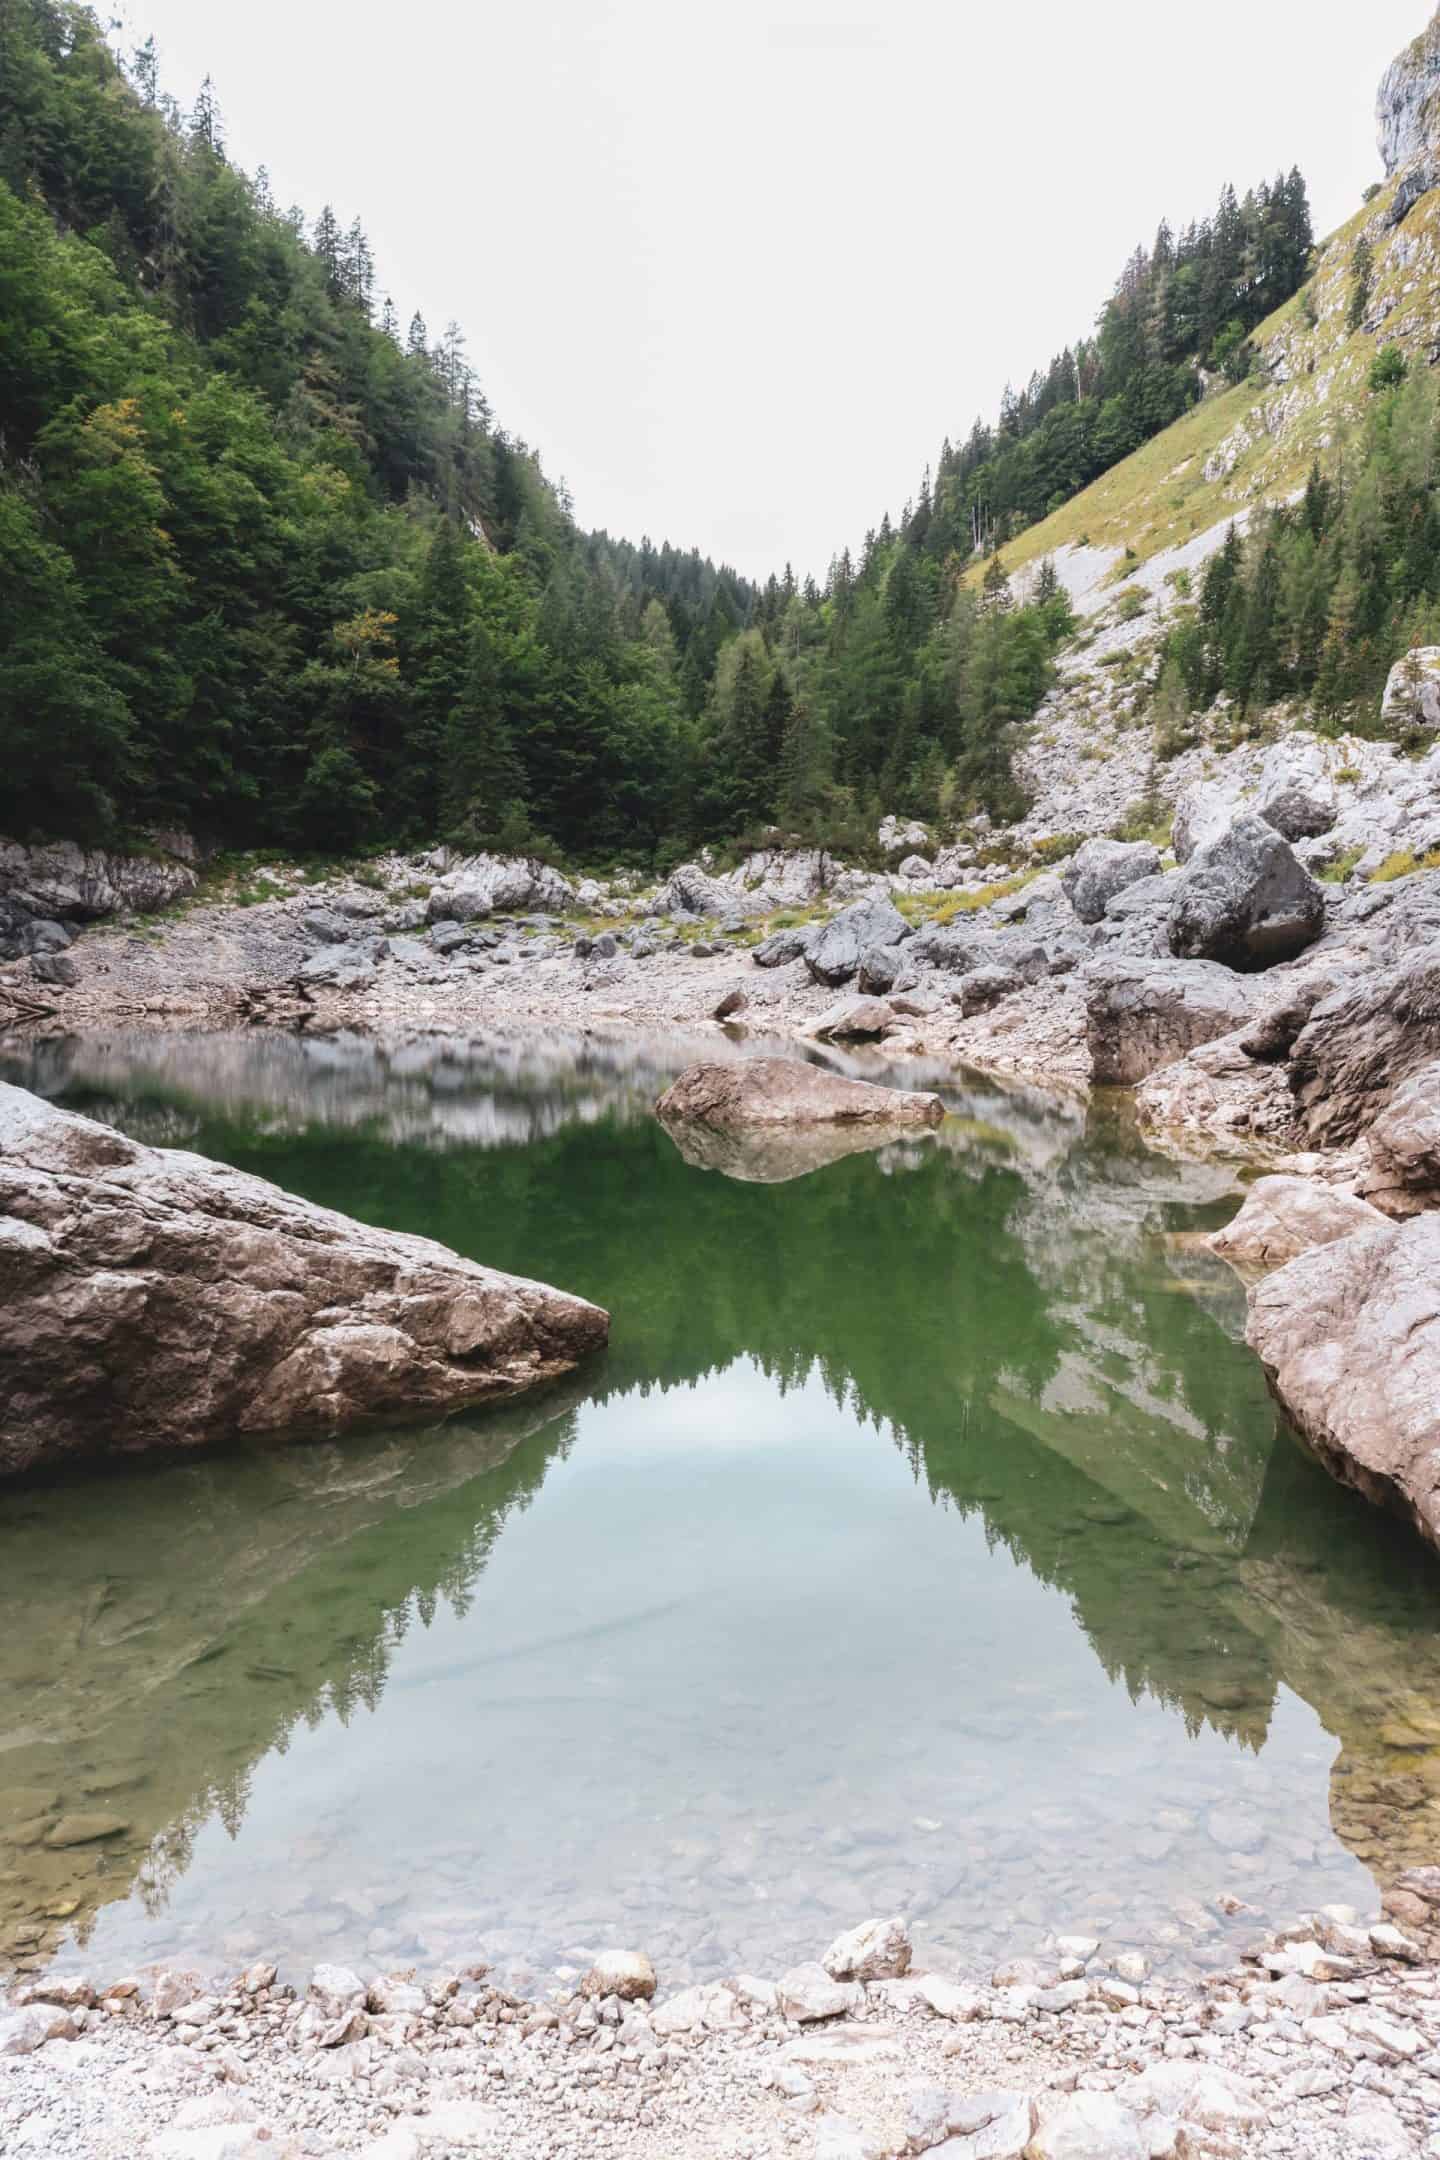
column 926, row 1542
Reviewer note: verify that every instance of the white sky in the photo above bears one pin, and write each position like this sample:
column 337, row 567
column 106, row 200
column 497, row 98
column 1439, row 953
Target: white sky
column 738, row 270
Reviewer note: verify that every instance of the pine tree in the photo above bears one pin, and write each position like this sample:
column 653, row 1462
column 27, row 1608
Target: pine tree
column 418, row 337
column 483, row 800
column 996, row 596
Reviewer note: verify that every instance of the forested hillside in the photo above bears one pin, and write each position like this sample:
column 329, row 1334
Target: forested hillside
column 275, row 572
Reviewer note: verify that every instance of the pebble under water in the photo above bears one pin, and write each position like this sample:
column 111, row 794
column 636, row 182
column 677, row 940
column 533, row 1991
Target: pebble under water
column 925, row 1543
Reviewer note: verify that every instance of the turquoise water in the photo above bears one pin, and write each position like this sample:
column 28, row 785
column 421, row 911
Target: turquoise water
column 925, row 1542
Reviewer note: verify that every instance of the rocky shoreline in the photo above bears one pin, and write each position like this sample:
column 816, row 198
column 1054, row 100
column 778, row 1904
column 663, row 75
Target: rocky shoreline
column 1322, row 2042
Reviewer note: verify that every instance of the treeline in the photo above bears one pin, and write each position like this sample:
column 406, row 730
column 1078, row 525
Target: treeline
column 1187, row 303
column 274, row 571
column 1320, row 597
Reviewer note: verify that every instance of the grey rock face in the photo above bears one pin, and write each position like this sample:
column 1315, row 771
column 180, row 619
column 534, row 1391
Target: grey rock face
column 1101, row 870
column 1412, row 690
column 1245, row 901
column 449, row 937
column 1362, row 1041
column 1143, row 1014
column 1405, row 107
column 985, row 988
column 1349, row 1335
column 783, row 946
column 1297, row 795
column 55, row 969
column 60, row 880
column 862, row 1019
column 151, row 1299
column 835, row 955
column 781, row 1091
column 1202, row 813
column 1404, row 1170
column 486, row 884
column 342, row 967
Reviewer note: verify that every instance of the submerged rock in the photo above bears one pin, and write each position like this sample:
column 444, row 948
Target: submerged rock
column 781, row 1091
column 152, row 1299
column 1349, row 1335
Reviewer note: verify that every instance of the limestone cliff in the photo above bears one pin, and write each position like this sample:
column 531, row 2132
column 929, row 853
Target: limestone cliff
column 1407, row 110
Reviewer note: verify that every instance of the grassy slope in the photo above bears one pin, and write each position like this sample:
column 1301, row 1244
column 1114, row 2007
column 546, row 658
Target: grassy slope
column 1270, row 430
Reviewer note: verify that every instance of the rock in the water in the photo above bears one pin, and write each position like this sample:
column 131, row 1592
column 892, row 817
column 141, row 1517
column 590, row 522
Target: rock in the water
column 1098, row 872
column 1283, row 1216
column 862, row 1019
column 1245, row 900
column 835, row 955
column 1297, row 795
column 781, row 1091
column 626, row 1973
column 151, row 1299
column 1349, row 1335
column 733, row 1002
column 1360, row 1042
column 483, row 884
column 807, row 1993
column 876, row 1950
column 1142, row 1014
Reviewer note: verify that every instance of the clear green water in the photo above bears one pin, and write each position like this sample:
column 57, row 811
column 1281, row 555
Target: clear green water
column 925, row 1542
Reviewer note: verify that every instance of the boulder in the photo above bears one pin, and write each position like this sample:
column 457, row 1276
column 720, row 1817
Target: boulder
column 1202, row 813
column 55, row 968
column 341, row 967
column 1362, row 1041
column 151, row 1299
column 782, row 1091
column 1412, row 692
column 1404, row 1168
column 1283, row 1216
column 733, row 1002
column 22, row 2032
column 897, row 835
column 1245, row 900
column 1099, row 871
column 884, row 968
column 915, row 867
column 1142, row 1014
column 1349, row 1335
column 777, row 1154
column 1086, row 2126
column 783, row 946
column 986, row 987
column 862, row 1019
column 485, row 884
column 807, row 1993
column 835, row 955
column 876, row 1950
column 1297, row 795
column 628, row 1974
column 690, row 890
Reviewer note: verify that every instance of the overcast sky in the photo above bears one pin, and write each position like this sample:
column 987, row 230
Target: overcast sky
column 738, row 270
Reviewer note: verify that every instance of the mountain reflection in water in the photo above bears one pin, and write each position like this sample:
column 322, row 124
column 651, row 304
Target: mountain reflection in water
column 925, row 1542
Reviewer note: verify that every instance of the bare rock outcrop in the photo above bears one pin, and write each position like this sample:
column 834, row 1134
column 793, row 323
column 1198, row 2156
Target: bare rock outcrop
column 1285, row 1216
column 1403, row 1172
column 1101, row 870
column 1245, row 900
column 1407, row 108
column 1142, row 1014
column 1349, row 1335
column 481, row 885
column 152, row 1299
column 752, row 1092
column 1360, row 1042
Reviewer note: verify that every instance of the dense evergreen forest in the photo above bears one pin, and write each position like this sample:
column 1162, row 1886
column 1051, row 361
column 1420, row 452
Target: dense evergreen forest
column 274, row 571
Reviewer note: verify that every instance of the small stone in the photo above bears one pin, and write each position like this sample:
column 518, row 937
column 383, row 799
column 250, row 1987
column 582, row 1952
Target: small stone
column 808, row 1993
column 734, row 1001
column 627, row 1974
column 876, row 1950
column 950, row 1999
column 1388, row 1942
column 1086, row 2126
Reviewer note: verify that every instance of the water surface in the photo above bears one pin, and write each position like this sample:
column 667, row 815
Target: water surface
column 925, row 1542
